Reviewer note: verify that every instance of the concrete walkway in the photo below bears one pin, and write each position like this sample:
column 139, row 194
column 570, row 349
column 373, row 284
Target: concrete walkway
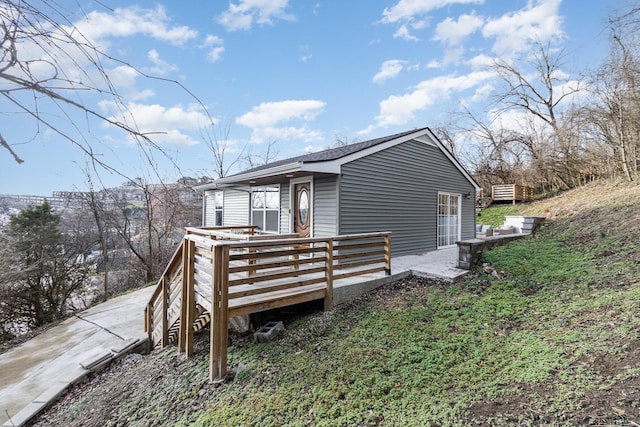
column 38, row 371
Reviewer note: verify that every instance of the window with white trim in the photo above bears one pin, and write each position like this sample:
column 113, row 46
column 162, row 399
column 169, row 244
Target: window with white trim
column 218, row 208
column 448, row 219
column 265, row 208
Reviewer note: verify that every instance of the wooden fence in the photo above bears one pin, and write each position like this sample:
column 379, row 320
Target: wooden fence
column 214, row 276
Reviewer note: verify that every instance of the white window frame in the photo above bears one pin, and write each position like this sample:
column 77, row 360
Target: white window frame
column 218, row 208
column 262, row 228
column 448, row 237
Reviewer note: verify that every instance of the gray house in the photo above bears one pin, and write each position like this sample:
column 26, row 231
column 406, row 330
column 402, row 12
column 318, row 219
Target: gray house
column 406, row 183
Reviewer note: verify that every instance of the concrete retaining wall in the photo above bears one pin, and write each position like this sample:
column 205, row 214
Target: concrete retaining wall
column 469, row 251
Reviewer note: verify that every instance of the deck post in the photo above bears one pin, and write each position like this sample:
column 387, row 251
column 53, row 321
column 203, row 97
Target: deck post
column 296, row 257
column 183, row 299
column 387, row 254
column 251, row 261
column 328, row 272
column 189, row 303
column 165, row 313
column 219, row 315
column 148, row 324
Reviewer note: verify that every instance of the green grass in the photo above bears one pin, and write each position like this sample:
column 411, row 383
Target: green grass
column 495, row 214
column 427, row 358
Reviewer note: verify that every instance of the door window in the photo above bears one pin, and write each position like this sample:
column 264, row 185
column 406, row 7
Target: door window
column 448, row 219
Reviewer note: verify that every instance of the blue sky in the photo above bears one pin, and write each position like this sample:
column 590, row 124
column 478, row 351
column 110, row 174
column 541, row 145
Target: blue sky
column 298, row 73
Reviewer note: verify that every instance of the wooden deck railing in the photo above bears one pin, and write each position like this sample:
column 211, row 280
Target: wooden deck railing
column 219, row 279
column 511, row 193
column 163, row 308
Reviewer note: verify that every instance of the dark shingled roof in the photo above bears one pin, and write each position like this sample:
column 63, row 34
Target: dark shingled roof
column 330, row 154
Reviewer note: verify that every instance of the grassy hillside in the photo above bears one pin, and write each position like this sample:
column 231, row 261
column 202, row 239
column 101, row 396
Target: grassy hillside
column 547, row 333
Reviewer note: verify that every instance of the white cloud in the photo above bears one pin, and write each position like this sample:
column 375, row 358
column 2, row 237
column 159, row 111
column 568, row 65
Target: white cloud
column 271, row 113
column 215, row 46
column 453, row 55
column 482, row 93
column 124, row 79
column 389, row 70
column 434, row 63
column 216, row 53
column 403, row 33
column 400, row 109
column 123, row 76
column 285, row 133
column 481, row 61
column 161, row 67
column 306, row 54
column 164, row 126
column 539, row 21
column 407, row 10
column 126, row 22
column 270, row 120
column 245, row 13
column 453, row 32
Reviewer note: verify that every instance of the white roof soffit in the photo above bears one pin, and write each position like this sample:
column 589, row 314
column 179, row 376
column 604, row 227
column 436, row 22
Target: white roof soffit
column 244, row 177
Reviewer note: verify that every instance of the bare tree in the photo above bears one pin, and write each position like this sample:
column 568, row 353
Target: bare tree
column 342, row 140
column 150, row 228
column 217, row 139
column 47, row 64
column 544, row 96
column 268, row 155
column 616, row 112
column 98, row 212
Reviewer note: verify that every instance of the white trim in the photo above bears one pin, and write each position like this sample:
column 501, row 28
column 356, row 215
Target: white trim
column 459, row 218
column 264, row 218
column 292, row 183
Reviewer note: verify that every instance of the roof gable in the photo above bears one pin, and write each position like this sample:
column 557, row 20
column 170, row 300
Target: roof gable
column 329, row 154
column 331, row 160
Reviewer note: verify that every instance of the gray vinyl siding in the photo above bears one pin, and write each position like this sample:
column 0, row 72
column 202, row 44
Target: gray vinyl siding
column 209, row 214
column 397, row 190
column 236, row 208
column 284, row 208
column 325, row 206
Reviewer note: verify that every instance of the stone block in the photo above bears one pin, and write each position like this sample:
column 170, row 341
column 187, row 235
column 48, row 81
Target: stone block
column 239, row 324
column 268, row 332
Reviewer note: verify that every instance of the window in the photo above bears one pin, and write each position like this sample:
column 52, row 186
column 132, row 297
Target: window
column 218, row 208
column 265, row 208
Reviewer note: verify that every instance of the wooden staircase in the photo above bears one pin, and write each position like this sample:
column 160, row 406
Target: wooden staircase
column 218, row 273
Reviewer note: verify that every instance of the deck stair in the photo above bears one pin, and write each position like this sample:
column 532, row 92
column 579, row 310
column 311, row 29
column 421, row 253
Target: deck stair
column 222, row 272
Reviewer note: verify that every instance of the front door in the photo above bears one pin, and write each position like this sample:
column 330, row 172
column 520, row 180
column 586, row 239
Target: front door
column 448, row 219
column 302, row 209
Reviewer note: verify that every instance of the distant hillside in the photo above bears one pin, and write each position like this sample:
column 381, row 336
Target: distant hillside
column 600, row 194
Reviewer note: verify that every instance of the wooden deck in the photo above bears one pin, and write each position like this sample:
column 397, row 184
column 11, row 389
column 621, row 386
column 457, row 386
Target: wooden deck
column 511, row 193
column 219, row 273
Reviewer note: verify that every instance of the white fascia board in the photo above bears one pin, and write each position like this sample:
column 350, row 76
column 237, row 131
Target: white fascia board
column 262, row 173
